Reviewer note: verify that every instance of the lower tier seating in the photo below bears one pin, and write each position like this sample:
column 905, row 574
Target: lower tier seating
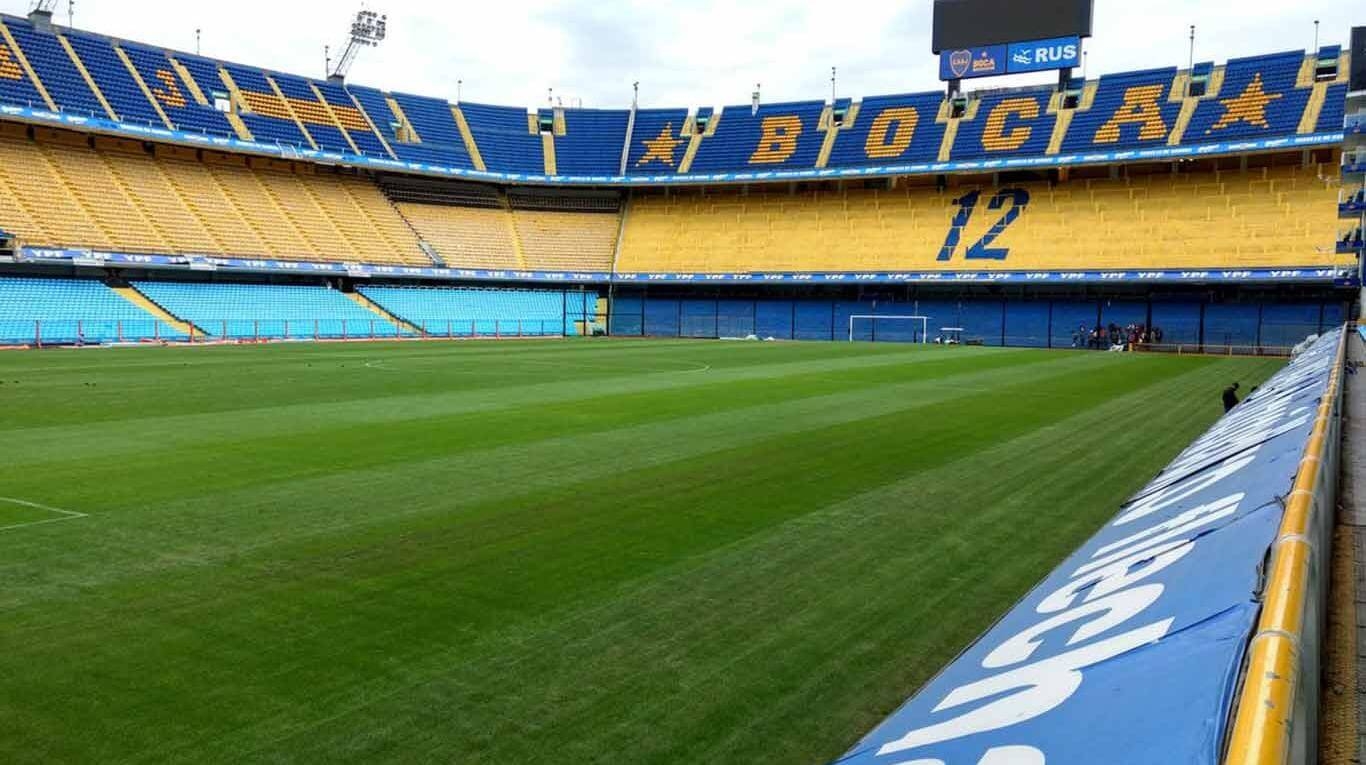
column 1269, row 217
column 268, row 311
column 61, row 311
column 463, row 312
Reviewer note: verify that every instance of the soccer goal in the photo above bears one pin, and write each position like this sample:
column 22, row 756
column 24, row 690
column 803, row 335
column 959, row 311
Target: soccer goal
column 892, row 327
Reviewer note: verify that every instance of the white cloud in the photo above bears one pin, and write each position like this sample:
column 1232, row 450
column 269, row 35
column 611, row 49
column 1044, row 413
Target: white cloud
column 696, row 53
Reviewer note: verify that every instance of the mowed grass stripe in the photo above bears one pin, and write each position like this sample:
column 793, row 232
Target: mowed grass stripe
column 232, row 651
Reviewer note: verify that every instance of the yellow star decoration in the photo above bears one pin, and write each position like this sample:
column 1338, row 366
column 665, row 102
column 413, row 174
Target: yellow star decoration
column 8, row 69
column 1249, row 106
column 661, row 147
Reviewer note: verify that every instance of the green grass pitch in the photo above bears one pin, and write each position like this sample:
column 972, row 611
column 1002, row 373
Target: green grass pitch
column 542, row 552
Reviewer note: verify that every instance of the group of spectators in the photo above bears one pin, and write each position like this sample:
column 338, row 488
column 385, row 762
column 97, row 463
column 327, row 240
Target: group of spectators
column 1113, row 337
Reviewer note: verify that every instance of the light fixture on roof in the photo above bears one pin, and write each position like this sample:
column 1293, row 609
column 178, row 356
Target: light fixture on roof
column 368, row 30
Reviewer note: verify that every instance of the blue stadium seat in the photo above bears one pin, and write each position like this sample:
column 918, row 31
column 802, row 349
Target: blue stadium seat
column 1334, row 109
column 352, row 119
column 778, row 136
column 114, row 80
column 1016, row 123
column 657, row 142
column 267, row 311
column 463, row 312
column 269, row 122
column 891, row 130
column 175, row 99
column 503, row 138
column 441, row 142
column 310, row 111
column 1257, row 99
column 61, row 311
column 1131, row 110
column 592, row 142
column 56, row 70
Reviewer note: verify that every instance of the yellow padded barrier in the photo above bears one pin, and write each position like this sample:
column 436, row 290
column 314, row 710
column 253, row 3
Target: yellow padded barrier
column 1270, row 217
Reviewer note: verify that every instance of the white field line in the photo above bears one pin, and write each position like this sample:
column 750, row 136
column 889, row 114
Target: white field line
column 65, row 515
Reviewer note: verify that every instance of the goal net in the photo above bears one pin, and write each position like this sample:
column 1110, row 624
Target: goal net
column 889, row 329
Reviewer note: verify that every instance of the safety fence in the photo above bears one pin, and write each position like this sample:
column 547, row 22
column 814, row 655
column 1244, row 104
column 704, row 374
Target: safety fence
column 1160, row 631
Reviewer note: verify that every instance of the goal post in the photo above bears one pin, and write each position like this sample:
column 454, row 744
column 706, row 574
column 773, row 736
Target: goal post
column 922, row 321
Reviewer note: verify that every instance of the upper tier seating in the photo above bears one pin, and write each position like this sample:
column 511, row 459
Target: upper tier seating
column 114, row 80
column 173, row 94
column 1258, row 97
column 1266, row 96
column 127, row 201
column 269, row 118
column 891, row 130
column 1269, row 217
column 592, row 142
column 776, row 136
column 56, row 70
column 657, row 143
column 1130, row 110
column 463, row 312
column 267, row 310
column 71, row 310
column 1014, row 122
column 505, row 139
column 15, row 85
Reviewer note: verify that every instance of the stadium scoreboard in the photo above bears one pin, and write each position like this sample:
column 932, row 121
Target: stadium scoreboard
column 985, row 38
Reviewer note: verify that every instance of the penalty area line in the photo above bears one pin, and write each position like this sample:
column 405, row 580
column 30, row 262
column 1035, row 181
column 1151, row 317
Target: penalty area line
column 64, row 515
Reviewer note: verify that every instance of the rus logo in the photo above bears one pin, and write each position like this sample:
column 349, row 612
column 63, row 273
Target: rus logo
column 959, row 62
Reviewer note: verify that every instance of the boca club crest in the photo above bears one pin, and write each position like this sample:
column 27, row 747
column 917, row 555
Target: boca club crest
column 959, row 62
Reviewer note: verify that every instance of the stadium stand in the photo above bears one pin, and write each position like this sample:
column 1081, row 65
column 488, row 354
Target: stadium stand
column 261, row 109
column 1265, row 217
column 114, row 80
column 1130, row 110
column 63, row 81
column 657, row 142
column 1011, row 122
column 274, row 311
column 352, row 120
column 506, row 138
column 65, row 311
column 309, row 109
column 180, row 103
column 16, row 86
column 435, row 127
column 591, row 143
column 463, row 311
column 891, row 129
column 773, row 136
column 1257, row 97
column 118, row 198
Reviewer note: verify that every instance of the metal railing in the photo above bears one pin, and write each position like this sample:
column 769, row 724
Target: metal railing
column 1276, row 715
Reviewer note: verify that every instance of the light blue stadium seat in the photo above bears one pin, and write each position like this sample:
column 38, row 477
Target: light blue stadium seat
column 267, row 311
column 465, row 312
column 63, row 311
column 55, row 70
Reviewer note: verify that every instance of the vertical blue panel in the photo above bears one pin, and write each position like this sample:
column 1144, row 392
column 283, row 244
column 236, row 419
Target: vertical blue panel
column 814, row 322
column 1229, row 324
column 1334, row 314
column 1027, row 324
column 735, row 318
column 697, row 318
column 864, row 330
column 982, row 320
column 661, row 318
column 1179, row 322
column 773, row 318
column 1287, row 324
column 1068, row 318
column 1123, row 312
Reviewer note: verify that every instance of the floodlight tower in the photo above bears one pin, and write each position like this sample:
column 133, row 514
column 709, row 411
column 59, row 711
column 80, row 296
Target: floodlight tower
column 367, row 30
column 40, row 13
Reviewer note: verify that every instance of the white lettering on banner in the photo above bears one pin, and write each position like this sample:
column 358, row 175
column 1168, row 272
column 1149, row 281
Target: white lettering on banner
column 1180, row 490
column 1117, row 609
column 1038, row 688
column 1001, row 755
column 1188, row 521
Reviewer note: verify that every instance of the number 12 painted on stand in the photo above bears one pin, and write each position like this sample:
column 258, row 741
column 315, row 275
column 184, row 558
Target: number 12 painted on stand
column 1018, row 199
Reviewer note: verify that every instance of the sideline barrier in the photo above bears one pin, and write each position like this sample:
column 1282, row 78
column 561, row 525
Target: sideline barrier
column 1132, row 651
column 1277, row 714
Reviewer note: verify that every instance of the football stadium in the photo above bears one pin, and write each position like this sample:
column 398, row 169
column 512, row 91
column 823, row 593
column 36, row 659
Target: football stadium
column 983, row 423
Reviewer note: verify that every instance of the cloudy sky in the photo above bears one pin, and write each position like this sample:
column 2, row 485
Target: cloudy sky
column 690, row 53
